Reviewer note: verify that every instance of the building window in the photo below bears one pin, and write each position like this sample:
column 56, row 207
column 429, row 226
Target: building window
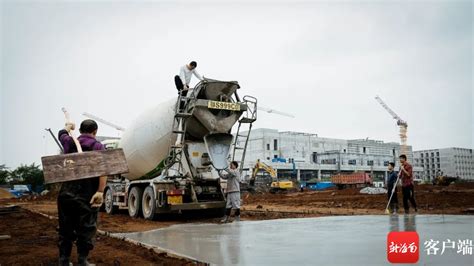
column 315, row 157
column 275, row 156
column 364, row 150
column 352, row 162
column 437, row 153
column 385, row 163
column 422, row 155
column 439, row 166
column 275, row 145
column 370, row 163
column 268, row 147
column 268, row 158
column 328, row 161
column 437, row 160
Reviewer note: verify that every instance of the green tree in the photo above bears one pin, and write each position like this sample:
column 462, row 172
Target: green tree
column 4, row 173
column 28, row 175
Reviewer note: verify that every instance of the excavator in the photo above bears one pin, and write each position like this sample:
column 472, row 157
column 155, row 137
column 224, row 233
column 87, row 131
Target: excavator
column 276, row 185
column 443, row 180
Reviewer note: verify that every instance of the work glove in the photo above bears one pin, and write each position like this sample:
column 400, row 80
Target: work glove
column 97, row 199
column 69, row 126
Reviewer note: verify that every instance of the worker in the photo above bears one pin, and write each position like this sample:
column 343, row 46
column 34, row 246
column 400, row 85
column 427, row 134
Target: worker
column 79, row 200
column 184, row 78
column 408, row 189
column 391, row 184
column 232, row 176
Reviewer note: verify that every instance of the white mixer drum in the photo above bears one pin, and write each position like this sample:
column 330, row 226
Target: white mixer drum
column 147, row 140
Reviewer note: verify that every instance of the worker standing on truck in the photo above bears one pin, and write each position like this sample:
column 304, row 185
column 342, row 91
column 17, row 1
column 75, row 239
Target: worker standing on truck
column 232, row 176
column 408, row 189
column 391, row 185
column 79, row 200
column 184, row 78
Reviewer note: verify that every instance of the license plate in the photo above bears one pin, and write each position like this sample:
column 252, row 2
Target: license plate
column 175, row 200
column 223, row 106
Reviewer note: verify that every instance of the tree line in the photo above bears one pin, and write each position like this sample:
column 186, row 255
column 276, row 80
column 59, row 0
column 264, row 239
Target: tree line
column 23, row 174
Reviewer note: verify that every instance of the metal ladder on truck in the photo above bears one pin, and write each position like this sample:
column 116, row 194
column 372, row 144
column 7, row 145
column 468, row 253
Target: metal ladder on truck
column 242, row 135
column 175, row 152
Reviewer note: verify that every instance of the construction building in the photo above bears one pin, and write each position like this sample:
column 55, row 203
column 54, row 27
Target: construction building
column 453, row 162
column 304, row 156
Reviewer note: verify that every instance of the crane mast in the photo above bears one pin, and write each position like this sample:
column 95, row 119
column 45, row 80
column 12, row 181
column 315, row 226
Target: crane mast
column 402, row 124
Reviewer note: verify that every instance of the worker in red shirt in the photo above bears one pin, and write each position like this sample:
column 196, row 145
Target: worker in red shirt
column 406, row 174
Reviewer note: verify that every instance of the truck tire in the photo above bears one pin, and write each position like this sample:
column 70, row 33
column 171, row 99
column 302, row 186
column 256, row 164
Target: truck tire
column 108, row 202
column 135, row 201
column 149, row 203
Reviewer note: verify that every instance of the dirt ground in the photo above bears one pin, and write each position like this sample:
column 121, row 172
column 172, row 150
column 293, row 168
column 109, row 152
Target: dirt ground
column 453, row 199
column 34, row 237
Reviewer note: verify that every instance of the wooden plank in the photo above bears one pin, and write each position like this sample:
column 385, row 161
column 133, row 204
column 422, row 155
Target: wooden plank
column 75, row 166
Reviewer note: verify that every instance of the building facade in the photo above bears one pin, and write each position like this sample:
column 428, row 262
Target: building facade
column 453, row 162
column 306, row 156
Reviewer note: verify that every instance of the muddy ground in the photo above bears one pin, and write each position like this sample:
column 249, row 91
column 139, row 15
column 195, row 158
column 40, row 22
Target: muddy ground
column 34, row 237
column 453, row 199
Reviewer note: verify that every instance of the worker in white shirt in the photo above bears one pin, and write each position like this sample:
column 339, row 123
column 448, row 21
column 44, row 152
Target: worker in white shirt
column 184, row 78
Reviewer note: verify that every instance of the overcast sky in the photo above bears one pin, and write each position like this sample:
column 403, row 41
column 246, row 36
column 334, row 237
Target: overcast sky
column 322, row 61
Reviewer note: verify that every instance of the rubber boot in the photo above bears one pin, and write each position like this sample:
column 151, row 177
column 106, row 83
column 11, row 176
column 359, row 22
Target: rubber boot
column 64, row 261
column 237, row 215
column 65, row 248
column 82, row 261
column 394, row 208
column 226, row 218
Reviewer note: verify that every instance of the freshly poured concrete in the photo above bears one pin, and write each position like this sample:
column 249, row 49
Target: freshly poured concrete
column 337, row 240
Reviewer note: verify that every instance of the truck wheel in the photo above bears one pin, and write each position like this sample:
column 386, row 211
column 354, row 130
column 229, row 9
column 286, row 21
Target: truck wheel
column 135, row 201
column 109, row 202
column 149, row 203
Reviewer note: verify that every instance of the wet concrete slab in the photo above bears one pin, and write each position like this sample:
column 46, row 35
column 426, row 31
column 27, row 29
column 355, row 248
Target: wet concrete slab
column 336, row 240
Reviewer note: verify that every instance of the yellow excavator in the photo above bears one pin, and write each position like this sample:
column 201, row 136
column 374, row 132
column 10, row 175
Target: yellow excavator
column 442, row 180
column 276, row 185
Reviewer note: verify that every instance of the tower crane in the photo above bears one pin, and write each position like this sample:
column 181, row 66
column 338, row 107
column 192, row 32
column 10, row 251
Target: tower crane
column 273, row 111
column 402, row 124
column 119, row 128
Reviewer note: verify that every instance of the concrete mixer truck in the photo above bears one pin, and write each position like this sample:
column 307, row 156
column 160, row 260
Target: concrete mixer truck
column 174, row 151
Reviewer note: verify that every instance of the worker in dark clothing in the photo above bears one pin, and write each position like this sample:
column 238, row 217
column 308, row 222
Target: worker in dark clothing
column 391, row 185
column 79, row 200
column 408, row 189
